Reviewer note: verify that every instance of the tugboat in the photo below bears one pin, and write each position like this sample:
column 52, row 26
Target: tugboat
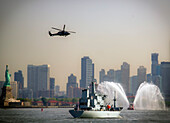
column 91, row 105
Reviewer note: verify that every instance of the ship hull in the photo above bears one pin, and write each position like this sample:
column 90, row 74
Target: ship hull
column 95, row 114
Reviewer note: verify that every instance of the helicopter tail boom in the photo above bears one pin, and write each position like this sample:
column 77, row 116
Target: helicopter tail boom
column 50, row 33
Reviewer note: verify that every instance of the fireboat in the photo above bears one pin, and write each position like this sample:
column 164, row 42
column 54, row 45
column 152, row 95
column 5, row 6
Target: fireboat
column 92, row 105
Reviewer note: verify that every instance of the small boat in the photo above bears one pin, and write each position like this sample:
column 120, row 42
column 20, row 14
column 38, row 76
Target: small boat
column 91, row 105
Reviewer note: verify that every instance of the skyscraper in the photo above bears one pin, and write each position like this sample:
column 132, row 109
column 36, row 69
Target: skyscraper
column 57, row 89
column 133, row 85
column 154, row 63
column 87, row 72
column 72, row 83
column 155, row 69
column 141, row 75
column 118, row 76
column 52, row 83
column 19, row 78
column 14, row 86
column 101, row 75
column 109, row 77
column 149, row 77
column 125, row 71
column 38, row 79
column 165, row 74
column 110, row 74
column 26, row 93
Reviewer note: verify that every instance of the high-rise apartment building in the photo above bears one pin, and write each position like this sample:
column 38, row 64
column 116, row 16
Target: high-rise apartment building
column 155, row 69
column 149, row 77
column 154, row 58
column 72, row 83
column 125, row 72
column 57, row 89
column 26, row 93
column 101, row 75
column 52, row 86
column 141, row 74
column 18, row 76
column 39, row 80
column 109, row 77
column 52, row 83
column 87, row 72
column 14, row 86
column 165, row 75
column 133, row 85
column 118, row 76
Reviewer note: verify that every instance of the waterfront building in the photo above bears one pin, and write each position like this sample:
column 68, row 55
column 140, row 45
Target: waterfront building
column 154, row 58
column 38, row 79
column 125, row 76
column 106, row 77
column 158, row 81
column 165, row 74
column 61, row 93
column 18, row 76
column 149, row 77
column 141, row 74
column 57, row 89
column 155, row 68
column 77, row 92
column 26, row 93
column 72, row 83
column 101, row 75
column 14, row 86
column 133, row 85
column 118, row 76
column 87, row 72
column 110, row 75
column 52, row 85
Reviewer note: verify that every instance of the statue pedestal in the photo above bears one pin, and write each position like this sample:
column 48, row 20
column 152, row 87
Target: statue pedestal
column 5, row 96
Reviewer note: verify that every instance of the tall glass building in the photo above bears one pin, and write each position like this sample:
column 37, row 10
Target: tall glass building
column 18, row 76
column 87, row 72
column 154, row 64
column 165, row 74
column 38, row 79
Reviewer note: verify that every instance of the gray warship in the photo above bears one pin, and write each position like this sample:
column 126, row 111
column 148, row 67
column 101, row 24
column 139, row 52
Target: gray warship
column 92, row 105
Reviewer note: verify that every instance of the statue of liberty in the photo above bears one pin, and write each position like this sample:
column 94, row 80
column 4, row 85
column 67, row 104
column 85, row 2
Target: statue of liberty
column 7, row 77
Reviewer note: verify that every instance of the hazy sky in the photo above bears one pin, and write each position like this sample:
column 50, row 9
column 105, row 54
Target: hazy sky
column 108, row 31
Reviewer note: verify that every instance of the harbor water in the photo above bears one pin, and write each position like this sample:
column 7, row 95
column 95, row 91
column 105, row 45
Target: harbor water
column 55, row 115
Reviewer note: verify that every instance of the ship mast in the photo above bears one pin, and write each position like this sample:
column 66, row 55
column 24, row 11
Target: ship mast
column 114, row 99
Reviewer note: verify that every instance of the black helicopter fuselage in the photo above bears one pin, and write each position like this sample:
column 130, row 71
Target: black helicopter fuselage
column 61, row 33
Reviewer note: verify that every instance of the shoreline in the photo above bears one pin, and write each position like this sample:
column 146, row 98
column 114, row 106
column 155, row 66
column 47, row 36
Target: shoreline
column 36, row 107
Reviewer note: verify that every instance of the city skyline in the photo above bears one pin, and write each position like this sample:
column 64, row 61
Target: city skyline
column 110, row 33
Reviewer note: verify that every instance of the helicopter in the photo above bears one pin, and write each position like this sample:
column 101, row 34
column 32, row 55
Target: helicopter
column 61, row 32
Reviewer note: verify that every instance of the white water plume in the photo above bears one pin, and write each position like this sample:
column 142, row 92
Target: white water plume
column 149, row 97
column 109, row 88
